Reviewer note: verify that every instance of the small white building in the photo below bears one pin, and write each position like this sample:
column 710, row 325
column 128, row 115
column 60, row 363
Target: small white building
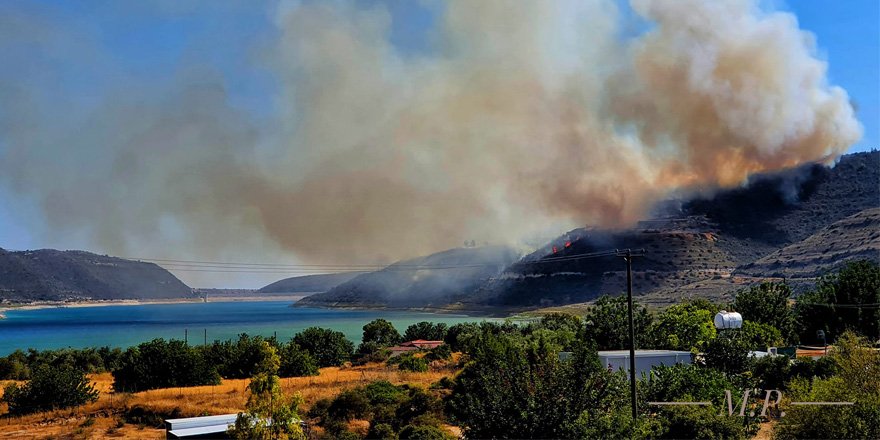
column 646, row 360
column 199, row 427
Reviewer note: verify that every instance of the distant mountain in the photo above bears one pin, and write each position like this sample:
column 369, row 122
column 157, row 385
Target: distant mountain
column 436, row 280
column 308, row 283
column 856, row 237
column 52, row 275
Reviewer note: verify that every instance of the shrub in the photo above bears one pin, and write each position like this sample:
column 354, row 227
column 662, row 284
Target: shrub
column 382, row 431
column 50, row 388
column 440, row 353
column 698, row 422
column 808, row 368
column 772, row 372
column 858, row 367
column 408, row 362
column 424, row 432
column 349, row 404
column 330, row 348
column 683, row 382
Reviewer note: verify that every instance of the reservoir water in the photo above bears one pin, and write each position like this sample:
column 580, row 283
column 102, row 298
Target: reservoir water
column 127, row 325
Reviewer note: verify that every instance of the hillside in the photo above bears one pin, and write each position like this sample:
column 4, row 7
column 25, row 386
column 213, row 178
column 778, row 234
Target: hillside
column 308, row 283
column 778, row 209
column 707, row 246
column 855, row 237
column 432, row 281
column 52, row 275
column 695, row 249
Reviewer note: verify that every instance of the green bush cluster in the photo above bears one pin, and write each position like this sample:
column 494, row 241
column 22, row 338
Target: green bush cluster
column 19, row 364
column 163, row 364
column 50, row 387
column 393, row 412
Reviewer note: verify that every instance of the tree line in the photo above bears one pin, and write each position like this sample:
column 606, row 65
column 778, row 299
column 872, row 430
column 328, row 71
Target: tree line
column 511, row 381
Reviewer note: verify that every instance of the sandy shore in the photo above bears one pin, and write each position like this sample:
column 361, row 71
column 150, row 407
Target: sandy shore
column 139, row 302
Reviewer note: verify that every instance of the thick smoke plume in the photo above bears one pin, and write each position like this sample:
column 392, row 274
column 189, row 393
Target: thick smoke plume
column 523, row 114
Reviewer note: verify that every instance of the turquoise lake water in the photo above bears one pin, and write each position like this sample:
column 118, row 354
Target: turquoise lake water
column 124, row 326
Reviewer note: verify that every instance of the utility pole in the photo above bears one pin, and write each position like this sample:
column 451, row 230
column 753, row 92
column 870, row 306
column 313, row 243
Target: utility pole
column 628, row 256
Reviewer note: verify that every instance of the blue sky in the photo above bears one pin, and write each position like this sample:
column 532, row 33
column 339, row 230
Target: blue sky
column 117, row 41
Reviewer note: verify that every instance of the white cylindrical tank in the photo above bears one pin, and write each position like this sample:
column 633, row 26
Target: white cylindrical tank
column 725, row 320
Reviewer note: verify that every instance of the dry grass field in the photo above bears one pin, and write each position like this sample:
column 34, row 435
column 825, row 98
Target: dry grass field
column 106, row 418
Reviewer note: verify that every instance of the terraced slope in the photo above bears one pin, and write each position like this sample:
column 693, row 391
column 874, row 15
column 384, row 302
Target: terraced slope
column 853, row 238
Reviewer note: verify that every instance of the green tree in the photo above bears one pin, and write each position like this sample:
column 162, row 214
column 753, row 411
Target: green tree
column 239, row 359
column 515, row 389
column 50, row 388
column 557, row 321
column 330, row 348
column 728, row 354
column 162, row 364
column 858, row 366
column 684, row 326
column 380, row 332
column 847, row 300
column 296, row 362
column 768, row 303
column 14, row 366
column 760, row 336
column 459, row 335
column 607, row 323
column 270, row 414
column 425, row 330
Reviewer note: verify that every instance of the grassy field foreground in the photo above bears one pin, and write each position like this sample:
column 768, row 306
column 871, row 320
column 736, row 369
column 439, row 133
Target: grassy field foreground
column 136, row 415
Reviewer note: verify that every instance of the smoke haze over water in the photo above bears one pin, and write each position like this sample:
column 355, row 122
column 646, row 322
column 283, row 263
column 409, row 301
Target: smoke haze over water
column 521, row 115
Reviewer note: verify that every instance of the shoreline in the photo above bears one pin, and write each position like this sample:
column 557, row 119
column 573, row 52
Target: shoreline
column 496, row 313
column 140, row 302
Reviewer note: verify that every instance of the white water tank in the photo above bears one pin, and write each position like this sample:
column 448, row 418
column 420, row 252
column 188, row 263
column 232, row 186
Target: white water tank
column 725, row 320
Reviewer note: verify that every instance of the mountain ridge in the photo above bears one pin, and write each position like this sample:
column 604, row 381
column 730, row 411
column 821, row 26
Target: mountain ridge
column 53, row 275
column 694, row 249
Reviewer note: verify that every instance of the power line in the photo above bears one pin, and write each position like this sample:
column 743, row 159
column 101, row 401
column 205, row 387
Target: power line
column 271, row 268
column 842, row 306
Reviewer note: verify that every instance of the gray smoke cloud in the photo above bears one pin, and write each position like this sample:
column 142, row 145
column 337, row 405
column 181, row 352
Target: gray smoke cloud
column 524, row 115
